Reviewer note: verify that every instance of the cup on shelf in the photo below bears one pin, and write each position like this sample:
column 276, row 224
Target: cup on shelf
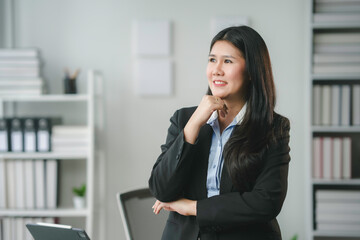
column 70, row 82
column 70, row 85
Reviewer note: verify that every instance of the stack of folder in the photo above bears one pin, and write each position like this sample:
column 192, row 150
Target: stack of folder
column 338, row 210
column 70, row 139
column 20, row 72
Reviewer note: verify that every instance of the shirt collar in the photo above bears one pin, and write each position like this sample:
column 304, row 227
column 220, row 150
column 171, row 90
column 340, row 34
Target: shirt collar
column 237, row 120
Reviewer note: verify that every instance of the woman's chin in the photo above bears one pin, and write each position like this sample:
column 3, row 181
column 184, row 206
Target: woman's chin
column 222, row 96
column 218, row 94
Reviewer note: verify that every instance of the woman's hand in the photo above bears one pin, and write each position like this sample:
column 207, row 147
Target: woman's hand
column 182, row 206
column 207, row 106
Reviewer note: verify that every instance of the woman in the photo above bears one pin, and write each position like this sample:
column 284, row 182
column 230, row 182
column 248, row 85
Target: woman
column 223, row 170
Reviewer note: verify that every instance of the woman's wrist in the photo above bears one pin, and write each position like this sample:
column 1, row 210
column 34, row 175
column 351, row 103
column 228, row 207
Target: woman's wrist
column 194, row 208
column 191, row 132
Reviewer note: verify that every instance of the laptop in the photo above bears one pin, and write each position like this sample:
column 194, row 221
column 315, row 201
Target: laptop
column 49, row 231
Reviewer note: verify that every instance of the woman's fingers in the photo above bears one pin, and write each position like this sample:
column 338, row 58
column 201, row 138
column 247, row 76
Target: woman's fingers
column 220, row 105
column 155, row 204
column 182, row 206
column 210, row 104
column 157, row 207
column 223, row 111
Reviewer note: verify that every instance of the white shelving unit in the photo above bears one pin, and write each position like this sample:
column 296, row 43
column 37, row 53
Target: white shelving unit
column 346, row 78
column 64, row 212
column 337, row 129
column 47, row 98
column 49, row 155
column 88, row 156
column 336, row 234
column 340, row 25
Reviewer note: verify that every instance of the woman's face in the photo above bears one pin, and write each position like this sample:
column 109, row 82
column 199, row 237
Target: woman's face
column 226, row 71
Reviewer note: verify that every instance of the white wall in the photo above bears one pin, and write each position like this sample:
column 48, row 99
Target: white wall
column 97, row 34
column 2, row 24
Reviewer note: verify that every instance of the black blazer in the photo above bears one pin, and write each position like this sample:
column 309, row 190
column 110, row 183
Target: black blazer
column 181, row 171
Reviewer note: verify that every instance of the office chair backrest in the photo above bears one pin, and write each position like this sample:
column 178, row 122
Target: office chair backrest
column 139, row 221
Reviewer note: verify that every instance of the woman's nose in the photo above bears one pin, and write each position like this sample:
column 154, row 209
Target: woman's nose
column 218, row 71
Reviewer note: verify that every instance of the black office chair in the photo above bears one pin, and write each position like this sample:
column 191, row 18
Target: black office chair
column 139, row 221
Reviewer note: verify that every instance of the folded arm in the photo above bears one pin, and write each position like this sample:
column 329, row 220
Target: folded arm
column 262, row 204
column 168, row 175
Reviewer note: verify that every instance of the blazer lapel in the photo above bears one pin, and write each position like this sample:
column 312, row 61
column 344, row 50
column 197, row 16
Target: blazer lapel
column 225, row 181
column 204, row 138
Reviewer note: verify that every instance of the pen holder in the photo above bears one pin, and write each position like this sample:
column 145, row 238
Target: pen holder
column 70, row 85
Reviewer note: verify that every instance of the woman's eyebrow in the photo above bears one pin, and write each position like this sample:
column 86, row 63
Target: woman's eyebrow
column 225, row 56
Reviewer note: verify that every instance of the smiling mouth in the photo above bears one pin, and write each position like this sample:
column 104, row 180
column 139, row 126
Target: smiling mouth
column 219, row 83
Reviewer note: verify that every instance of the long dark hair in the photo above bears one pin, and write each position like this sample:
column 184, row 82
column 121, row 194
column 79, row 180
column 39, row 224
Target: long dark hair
column 244, row 150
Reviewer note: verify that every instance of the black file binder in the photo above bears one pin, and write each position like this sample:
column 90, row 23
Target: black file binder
column 16, row 135
column 47, row 231
column 4, row 136
column 44, row 135
column 30, row 135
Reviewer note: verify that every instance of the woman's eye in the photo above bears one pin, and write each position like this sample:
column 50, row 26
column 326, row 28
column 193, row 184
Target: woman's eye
column 227, row 61
column 212, row 60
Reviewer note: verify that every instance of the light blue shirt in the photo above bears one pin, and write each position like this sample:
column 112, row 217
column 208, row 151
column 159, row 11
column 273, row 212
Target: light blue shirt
column 218, row 141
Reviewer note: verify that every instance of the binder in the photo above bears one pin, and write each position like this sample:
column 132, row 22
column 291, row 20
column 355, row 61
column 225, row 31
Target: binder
column 51, row 183
column 19, row 184
column 29, row 176
column 44, row 135
column 346, row 155
column 10, row 184
column 16, row 135
column 29, row 135
column 327, row 157
column 345, row 105
column 19, row 228
column 39, row 183
column 4, row 135
column 8, row 227
column 2, row 184
column 356, row 105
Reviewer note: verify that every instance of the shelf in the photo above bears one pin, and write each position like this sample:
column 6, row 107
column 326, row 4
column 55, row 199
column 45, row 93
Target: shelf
column 45, row 155
column 69, row 212
column 11, row 105
column 336, row 181
column 336, row 234
column 327, row 77
column 336, row 129
column 46, row 98
column 335, row 23
column 332, row 25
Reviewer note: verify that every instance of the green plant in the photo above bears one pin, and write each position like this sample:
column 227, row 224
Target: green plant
column 80, row 191
column 295, row 237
